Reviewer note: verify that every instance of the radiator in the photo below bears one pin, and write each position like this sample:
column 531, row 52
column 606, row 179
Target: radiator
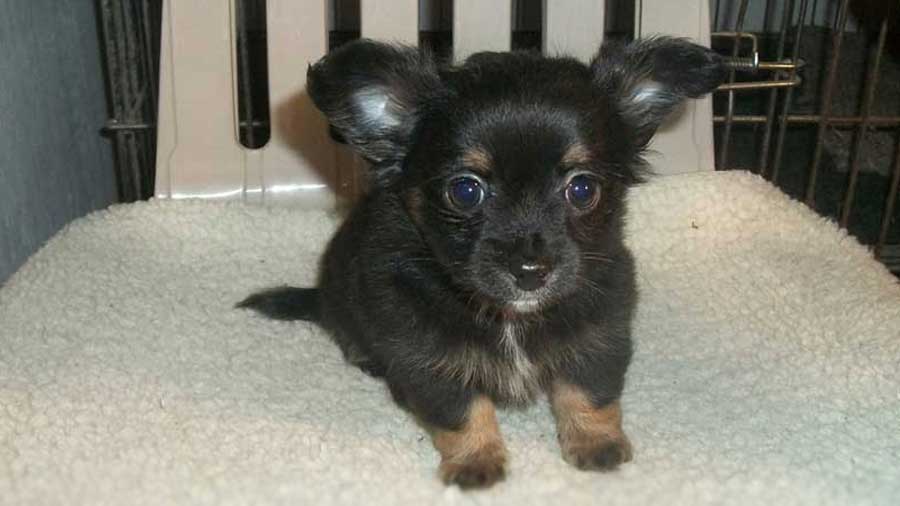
column 198, row 152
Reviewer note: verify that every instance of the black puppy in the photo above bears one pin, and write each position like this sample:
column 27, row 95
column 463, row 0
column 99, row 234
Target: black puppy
column 486, row 263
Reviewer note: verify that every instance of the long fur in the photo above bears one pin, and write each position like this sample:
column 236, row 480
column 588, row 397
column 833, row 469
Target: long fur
column 431, row 294
column 285, row 303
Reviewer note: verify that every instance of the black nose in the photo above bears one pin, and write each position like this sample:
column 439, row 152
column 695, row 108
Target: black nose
column 529, row 276
column 528, row 262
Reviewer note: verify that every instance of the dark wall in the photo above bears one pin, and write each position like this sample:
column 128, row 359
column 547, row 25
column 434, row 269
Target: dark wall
column 54, row 166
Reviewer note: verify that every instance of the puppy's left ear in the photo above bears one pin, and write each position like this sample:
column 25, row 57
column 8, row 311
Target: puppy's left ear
column 649, row 78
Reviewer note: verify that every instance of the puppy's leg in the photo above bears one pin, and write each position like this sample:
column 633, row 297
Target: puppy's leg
column 462, row 423
column 590, row 433
column 472, row 454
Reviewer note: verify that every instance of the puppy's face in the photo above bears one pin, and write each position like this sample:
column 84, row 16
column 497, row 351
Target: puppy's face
column 512, row 166
column 511, row 178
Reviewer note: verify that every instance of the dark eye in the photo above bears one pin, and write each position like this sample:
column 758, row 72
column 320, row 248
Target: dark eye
column 582, row 192
column 465, row 193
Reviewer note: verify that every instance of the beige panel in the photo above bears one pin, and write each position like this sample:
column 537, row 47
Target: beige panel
column 297, row 164
column 685, row 143
column 202, row 158
column 481, row 25
column 573, row 27
column 390, row 20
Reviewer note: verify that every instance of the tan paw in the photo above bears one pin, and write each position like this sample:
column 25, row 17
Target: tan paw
column 478, row 471
column 591, row 436
column 600, row 455
column 474, row 455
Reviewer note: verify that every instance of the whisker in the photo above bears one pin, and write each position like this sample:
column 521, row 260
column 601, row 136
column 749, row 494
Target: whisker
column 592, row 285
column 596, row 257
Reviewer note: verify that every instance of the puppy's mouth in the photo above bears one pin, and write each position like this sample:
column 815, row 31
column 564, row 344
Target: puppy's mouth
column 525, row 305
column 499, row 288
column 526, row 302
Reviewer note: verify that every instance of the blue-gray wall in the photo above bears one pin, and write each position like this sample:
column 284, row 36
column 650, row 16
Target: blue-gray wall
column 54, row 166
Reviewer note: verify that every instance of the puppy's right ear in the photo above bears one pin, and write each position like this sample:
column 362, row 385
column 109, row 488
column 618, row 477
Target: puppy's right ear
column 372, row 94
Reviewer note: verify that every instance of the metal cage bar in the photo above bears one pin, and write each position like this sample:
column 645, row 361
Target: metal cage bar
column 788, row 73
column 871, row 85
column 788, row 96
column 827, row 94
column 729, row 114
column 773, row 94
column 130, row 36
column 889, row 206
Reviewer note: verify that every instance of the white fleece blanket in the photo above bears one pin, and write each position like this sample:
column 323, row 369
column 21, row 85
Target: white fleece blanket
column 767, row 368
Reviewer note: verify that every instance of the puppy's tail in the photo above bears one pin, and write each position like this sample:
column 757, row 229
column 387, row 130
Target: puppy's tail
column 285, row 303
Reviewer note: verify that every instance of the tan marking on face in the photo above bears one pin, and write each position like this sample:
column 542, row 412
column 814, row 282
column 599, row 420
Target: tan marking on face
column 415, row 205
column 576, row 154
column 474, row 455
column 590, row 436
column 478, row 160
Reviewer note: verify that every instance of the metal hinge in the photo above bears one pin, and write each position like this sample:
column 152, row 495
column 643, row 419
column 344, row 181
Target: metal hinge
column 785, row 70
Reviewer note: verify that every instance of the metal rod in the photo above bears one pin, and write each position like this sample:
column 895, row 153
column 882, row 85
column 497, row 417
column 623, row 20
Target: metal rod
column 113, row 126
column 789, row 94
column 827, row 95
column 815, row 9
column 732, row 87
column 132, row 149
column 716, row 15
column 112, row 37
column 130, row 35
column 150, row 38
column 767, row 11
column 889, row 205
column 754, row 64
column 868, row 98
column 833, row 121
column 781, row 65
column 135, row 97
column 726, row 134
column 763, row 160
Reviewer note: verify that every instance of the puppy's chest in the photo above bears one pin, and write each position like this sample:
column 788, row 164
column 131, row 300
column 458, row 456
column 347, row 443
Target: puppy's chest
column 502, row 366
column 523, row 372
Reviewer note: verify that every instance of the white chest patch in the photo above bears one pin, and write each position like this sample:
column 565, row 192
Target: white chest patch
column 525, row 306
column 523, row 377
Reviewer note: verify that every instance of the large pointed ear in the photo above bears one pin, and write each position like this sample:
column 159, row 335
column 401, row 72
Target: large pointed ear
column 372, row 94
column 649, row 78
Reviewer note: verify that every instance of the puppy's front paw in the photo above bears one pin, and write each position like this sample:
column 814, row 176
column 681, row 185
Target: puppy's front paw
column 599, row 454
column 591, row 436
column 479, row 470
column 474, row 455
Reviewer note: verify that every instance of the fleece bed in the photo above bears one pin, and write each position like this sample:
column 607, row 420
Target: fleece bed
column 767, row 367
